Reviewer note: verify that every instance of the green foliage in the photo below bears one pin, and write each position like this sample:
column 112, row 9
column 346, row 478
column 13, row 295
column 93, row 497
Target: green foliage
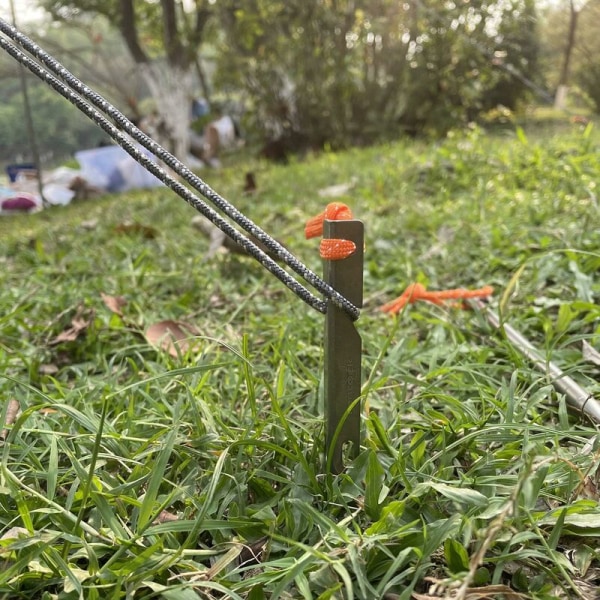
column 91, row 50
column 468, row 450
column 59, row 132
column 587, row 72
column 589, row 80
column 584, row 74
column 150, row 26
column 332, row 74
column 517, row 53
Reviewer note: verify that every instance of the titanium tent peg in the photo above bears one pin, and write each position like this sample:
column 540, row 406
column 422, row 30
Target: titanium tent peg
column 343, row 345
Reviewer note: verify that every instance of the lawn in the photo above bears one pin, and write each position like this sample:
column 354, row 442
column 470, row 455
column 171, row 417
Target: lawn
column 130, row 471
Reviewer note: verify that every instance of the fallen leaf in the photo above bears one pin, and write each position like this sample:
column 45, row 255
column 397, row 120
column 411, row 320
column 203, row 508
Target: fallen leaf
column 587, row 489
column 90, row 225
column 249, row 183
column 216, row 236
column 49, row 369
column 137, row 228
column 114, row 303
column 12, row 410
column 335, row 191
column 253, row 553
column 590, row 353
column 165, row 517
column 171, row 336
column 47, row 411
column 79, row 323
column 216, row 301
column 488, row 592
column 219, row 240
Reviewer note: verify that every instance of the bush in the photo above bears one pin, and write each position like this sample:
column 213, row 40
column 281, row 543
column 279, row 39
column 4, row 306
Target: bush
column 351, row 76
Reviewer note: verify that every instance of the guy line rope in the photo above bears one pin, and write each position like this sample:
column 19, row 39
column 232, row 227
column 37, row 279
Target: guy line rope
column 95, row 107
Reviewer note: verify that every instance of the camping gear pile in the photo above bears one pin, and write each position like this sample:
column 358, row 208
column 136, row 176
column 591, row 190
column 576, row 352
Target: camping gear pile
column 103, row 170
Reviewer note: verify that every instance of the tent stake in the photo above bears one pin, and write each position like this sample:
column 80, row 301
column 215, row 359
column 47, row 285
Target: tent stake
column 577, row 396
column 343, row 346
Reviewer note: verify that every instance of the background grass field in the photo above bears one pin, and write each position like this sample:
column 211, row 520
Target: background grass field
column 131, row 473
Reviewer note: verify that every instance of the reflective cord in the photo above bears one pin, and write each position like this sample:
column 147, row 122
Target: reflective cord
column 75, row 91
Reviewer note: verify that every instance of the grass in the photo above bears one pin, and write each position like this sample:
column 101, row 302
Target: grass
column 131, row 473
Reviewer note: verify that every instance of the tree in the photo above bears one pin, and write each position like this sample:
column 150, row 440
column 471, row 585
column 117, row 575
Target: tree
column 516, row 55
column 339, row 72
column 587, row 68
column 95, row 49
column 570, row 47
column 59, row 131
column 88, row 47
column 163, row 39
column 575, row 8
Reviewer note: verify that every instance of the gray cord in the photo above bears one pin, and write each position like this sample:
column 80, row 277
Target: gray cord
column 84, row 93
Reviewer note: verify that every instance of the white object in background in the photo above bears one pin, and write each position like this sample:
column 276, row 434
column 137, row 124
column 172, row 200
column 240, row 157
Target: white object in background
column 112, row 169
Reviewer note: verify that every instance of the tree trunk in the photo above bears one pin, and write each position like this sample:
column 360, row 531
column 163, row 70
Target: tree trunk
column 171, row 81
column 560, row 99
column 171, row 89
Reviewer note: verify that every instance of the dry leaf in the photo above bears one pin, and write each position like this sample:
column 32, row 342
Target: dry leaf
column 335, row 191
column 79, row 323
column 171, row 336
column 90, row 225
column 216, row 236
column 165, row 517
column 249, row 183
column 487, row 592
column 49, row 369
column 137, row 228
column 590, row 353
column 253, row 553
column 12, row 410
column 587, row 489
column 114, row 303
column 220, row 241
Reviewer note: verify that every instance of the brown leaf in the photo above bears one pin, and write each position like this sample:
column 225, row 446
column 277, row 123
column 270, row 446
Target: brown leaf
column 250, row 183
column 12, row 410
column 171, row 336
column 165, row 517
column 49, row 369
column 114, row 303
column 587, row 489
column 137, row 228
column 90, row 225
column 487, row 592
column 79, row 323
column 253, row 553
column 590, row 353
column 220, row 241
column 335, row 191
